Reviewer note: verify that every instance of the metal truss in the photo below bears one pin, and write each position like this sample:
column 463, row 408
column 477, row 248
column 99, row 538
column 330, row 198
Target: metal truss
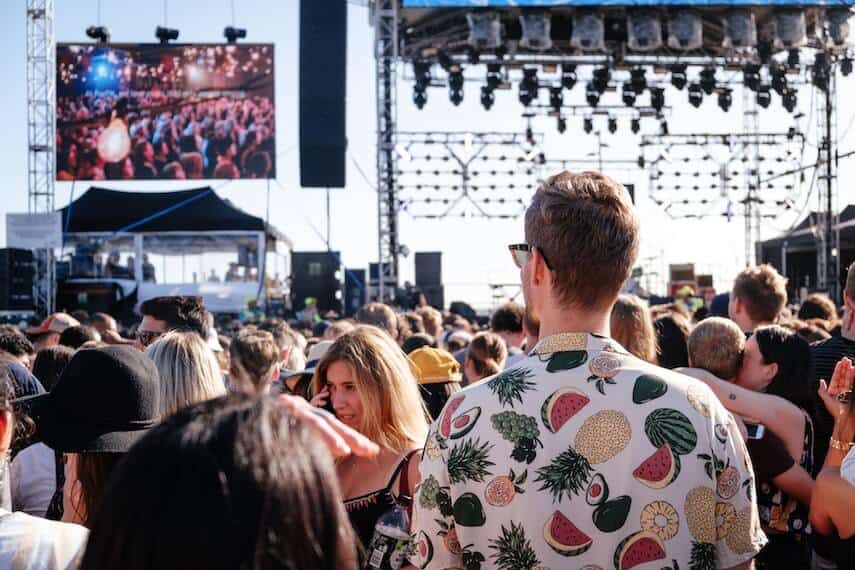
column 827, row 232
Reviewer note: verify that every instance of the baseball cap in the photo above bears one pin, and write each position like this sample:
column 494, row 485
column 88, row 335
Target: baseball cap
column 56, row 322
column 434, row 366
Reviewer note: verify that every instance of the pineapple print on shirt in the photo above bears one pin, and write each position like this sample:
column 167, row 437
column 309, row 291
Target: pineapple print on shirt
column 582, row 456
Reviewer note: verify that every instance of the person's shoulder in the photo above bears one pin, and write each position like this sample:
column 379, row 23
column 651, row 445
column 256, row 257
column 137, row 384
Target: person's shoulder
column 52, row 531
column 828, row 344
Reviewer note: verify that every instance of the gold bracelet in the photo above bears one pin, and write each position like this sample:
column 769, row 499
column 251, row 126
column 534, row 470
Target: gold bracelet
column 840, row 445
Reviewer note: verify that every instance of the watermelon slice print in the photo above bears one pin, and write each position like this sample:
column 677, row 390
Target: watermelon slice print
column 563, row 536
column 637, row 549
column 450, row 409
column 562, row 405
column 659, row 470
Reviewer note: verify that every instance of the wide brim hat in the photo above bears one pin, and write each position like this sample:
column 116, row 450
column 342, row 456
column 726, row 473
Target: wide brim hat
column 105, row 400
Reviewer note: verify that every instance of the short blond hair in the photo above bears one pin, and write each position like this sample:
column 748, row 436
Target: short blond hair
column 254, row 356
column 394, row 415
column 189, row 372
column 716, row 345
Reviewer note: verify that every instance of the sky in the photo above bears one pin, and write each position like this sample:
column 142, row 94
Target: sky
column 475, row 252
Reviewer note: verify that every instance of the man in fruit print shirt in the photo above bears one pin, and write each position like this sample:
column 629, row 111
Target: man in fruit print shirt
column 582, row 456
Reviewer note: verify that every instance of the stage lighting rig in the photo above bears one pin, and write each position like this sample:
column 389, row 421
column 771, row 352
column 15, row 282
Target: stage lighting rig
column 707, row 81
column 487, row 97
column 536, row 30
column 789, row 100
column 657, row 98
column 663, row 127
column 678, row 75
column 100, row 33
column 528, row 86
column 494, row 75
column 725, row 99
column 638, row 79
column 232, row 34
column 790, row 28
column 635, row 125
column 485, row 29
column 419, row 98
column 588, row 31
column 445, row 61
column 846, row 66
column 740, row 29
column 166, row 35
column 685, row 30
column 568, row 75
column 696, row 95
column 612, row 124
column 779, row 79
column 820, row 71
column 421, row 71
column 556, row 98
column 751, row 76
column 643, row 30
column 764, row 96
column 602, row 76
column 837, row 26
column 588, row 125
column 562, row 125
column 592, row 95
column 455, row 86
column 628, row 95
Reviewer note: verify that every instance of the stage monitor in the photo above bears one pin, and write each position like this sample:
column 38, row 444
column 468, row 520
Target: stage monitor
column 165, row 111
column 613, row 3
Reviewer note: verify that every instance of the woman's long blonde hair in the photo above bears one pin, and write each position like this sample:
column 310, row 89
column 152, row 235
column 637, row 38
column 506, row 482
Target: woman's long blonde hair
column 393, row 416
column 189, row 371
column 632, row 327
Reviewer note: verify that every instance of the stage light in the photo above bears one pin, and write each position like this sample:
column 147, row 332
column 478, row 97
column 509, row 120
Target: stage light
column 764, row 96
column 707, row 81
column 663, row 127
column 790, row 28
column 562, row 125
column 628, row 95
column 536, row 30
column 455, row 86
column 612, row 125
column 685, row 30
column 678, row 75
column 419, row 97
column 837, row 26
column 657, row 98
column 751, row 76
column 529, row 136
column 602, row 76
column 232, row 35
column 789, row 100
column 791, row 133
column 100, row 33
column 644, row 30
column 568, row 75
column 485, row 29
column 635, row 125
column 779, row 79
column 820, row 71
column 725, row 99
column 445, row 60
column 588, row 125
column 638, row 78
column 421, row 71
column 588, row 31
column 696, row 95
column 166, row 35
column 556, row 98
column 793, row 58
column 740, row 29
column 494, row 75
column 528, row 86
column 487, row 97
column 592, row 95
column 846, row 66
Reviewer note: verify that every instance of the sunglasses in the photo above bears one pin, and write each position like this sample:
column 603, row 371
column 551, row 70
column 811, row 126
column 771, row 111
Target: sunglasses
column 148, row 337
column 521, row 252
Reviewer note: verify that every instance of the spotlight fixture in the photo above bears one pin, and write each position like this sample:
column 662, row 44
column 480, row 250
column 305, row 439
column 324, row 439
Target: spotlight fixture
column 588, row 31
column 837, row 26
column 100, row 33
column 419, row 98
column 779, row 79
column 536, row 30
column 791, row 133
column 820, row 71
column 678, row 75
column 638, row 78
column 793, row 57
column 445, row 60
column 612, row 125
column 568, row 75
column 528, row 86
column 707, row 81
column 592, row 95
column 657, row 98
column 751, row 76
column 628, row 95
column 556, row 98
column 725, row 99
column 643, row 30
column 663, row 127
column 790, row 28
column 494, row 75
column 602, row 76
column 696, row 95
column 232, row 35
column 789, row 100
column 764, row 96
column 740, row 29
column 421, row 71
column 562, row 125
column 455, row 86
column 485, row 29
column 487, row 97
column 165, row 35
column 588, row 125
column 846, row 66
column 635, row 125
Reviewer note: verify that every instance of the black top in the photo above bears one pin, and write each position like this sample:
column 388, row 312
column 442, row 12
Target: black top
column 365, row 510
column 769, row 456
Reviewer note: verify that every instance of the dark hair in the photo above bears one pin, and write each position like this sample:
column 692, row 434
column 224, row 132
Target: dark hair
column 74, row 337
column 227, row 483
column 179, row 313
column 762, row 290
column 416, row 341
column 15, row 344
column 436, row 395
column 81, row 315
column 93, row 473
column 49, row 364
column 508, row 318
column 818, row 306
column 672, row 334
column 793, row 356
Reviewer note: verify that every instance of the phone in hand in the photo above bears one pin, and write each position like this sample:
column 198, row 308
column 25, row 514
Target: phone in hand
column 755, row 431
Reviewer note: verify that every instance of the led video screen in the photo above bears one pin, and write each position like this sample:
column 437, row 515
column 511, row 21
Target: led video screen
column 555, row 3
column 165, row 112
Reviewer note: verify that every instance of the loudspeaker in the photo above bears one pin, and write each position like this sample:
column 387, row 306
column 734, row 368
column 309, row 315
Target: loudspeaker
column 434, row 295
column 428, row 268
column 323, row 48
column 16, row 279
column 313, row 274
column 355, row 291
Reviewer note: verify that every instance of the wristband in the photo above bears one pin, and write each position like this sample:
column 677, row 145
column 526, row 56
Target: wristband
column 840, row 445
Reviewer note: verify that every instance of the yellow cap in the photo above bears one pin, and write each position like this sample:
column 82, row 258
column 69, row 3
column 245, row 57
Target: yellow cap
column 434, row 366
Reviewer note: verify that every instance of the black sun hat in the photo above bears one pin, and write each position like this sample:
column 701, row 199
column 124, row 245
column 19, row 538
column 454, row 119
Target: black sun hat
column 104, row 401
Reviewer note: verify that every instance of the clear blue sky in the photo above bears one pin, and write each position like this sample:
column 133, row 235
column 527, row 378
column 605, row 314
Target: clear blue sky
column 474, row 249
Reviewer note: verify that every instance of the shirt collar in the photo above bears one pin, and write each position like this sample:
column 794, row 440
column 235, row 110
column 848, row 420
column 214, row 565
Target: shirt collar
column 575, row 341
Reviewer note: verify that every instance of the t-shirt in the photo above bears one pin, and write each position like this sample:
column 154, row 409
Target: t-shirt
column 33, row 478
column 28, row 542
column 581, row 455
column 847, row 468
column 769, row 456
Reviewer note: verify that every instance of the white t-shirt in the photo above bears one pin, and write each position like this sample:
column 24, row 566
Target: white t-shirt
column 28, row 542
column 33, row 478
column 847, row 468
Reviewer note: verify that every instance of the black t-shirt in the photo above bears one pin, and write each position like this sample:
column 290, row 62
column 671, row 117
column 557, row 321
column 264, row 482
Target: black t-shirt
column 769, row 457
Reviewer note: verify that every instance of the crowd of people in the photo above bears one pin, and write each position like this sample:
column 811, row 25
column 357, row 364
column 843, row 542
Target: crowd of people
column 585, row 428
column 170, row 138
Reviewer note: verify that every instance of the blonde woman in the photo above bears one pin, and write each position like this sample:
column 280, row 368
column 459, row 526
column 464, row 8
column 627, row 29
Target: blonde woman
column 189, row 371
column 485, row 356
column 254, row 362
column 366, row 380
column 632, row 327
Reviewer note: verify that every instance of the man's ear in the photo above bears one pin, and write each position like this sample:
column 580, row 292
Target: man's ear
column 540, row 274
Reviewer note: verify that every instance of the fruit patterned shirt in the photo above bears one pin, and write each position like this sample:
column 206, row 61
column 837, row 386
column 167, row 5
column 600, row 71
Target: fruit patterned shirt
column 584, row 457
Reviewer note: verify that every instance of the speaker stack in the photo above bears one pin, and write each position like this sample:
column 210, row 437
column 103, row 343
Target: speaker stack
column 316, row 274
column 16, row 279
column 429, row 277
